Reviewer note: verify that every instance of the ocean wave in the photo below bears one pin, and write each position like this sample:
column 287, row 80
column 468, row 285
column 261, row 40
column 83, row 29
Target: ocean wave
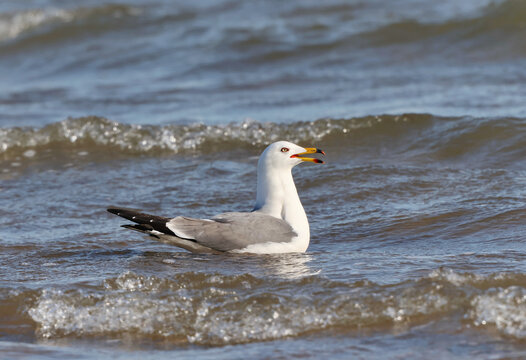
column 496, row 29
column 503, row 23
column 502, row 307
column 37, row 22
column 337, row 27
column 216, row 310
column 414, row 136
column 96, row 132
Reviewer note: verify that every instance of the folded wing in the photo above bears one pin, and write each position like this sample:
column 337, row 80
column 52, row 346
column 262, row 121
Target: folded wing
column 224, row 232
column 232, row 231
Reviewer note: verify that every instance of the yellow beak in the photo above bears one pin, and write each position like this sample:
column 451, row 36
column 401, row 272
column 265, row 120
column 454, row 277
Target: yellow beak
column 309, row 151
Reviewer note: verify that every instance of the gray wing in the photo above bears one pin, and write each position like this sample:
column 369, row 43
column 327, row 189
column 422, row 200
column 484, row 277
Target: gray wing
column 231, row 231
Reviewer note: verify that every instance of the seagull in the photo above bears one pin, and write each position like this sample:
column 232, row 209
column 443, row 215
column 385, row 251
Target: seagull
column 277, row 224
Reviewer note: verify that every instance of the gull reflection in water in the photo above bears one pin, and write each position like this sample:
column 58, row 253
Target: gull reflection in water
column 288, row 266
column 284, row 266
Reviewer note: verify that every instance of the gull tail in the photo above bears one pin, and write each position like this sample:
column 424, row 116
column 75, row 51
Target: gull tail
column 146, row 222
column 155, row 226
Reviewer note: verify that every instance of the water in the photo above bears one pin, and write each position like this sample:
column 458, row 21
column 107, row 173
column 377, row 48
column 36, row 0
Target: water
column 417, row 219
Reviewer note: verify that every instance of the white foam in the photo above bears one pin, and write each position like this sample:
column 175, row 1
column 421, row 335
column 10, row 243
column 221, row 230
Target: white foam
column 453, row 277
column 135, row 304
column 12, row 25
column 504, row 308
column 29, row 153
column 219, row 309
column 169, row 261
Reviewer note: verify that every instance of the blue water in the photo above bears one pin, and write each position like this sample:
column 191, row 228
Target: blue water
column 417, row 218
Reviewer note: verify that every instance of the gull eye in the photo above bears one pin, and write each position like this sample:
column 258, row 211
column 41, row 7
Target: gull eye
column 284, row 149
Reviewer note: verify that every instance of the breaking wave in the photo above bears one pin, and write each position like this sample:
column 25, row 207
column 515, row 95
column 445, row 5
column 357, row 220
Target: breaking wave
column 413, row 135
column 214, row 309
column 136, row 139
column 47, row 24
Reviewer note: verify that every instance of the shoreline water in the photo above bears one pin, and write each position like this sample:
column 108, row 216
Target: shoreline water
column 417, row 217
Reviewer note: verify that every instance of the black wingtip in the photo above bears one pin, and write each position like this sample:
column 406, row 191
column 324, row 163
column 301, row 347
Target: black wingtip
column 122, row 211
column 113, row 210
column 146, row 222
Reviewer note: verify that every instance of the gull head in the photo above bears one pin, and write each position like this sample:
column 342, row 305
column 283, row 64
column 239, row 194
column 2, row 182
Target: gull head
column 286, row 155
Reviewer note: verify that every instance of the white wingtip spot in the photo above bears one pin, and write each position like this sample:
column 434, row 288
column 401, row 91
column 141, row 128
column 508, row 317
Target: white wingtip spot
column 151, row 220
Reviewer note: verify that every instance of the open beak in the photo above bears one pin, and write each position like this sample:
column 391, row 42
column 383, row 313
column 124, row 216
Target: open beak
column 309, row 151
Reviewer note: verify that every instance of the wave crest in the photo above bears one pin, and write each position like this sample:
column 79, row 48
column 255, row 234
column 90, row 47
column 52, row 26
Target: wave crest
column 417, row 136
column 41, row 21
column 213, row 309
column 95, row 131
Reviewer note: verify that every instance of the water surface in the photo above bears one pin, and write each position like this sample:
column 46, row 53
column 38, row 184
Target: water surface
column 417, row 219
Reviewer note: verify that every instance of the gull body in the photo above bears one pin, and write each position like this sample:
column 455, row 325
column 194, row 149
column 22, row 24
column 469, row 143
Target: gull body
column 277, row 224
column 277, row 196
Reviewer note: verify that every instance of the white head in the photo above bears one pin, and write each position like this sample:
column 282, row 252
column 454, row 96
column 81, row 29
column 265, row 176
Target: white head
column 276, row 194
column 286, row 155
